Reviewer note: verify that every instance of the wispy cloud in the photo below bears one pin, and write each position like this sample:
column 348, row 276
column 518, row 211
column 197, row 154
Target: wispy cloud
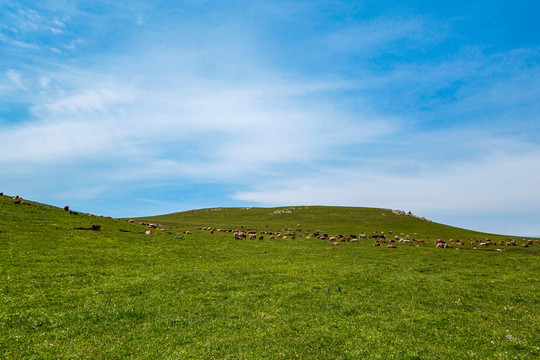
column 375, row 34
column 14, row 78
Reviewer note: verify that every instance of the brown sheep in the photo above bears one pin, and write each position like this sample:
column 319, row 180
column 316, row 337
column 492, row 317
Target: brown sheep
column 390, row 246
column 17, row 201
column 96, row 227
column 525, row 245
column 66, row 208
column 376, row 244
column 261, row 238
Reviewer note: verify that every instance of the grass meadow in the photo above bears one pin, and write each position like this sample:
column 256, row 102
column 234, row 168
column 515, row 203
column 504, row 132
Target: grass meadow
column 67, row 292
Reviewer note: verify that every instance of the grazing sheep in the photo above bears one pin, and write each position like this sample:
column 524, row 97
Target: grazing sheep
column 66, row 208
column 96, row 227
column 261, row 238
column 525, row 245
column 17, row 201
column 376, row 244
column 334, row 243
column 148, row 232
column 25, row 203
column 390, row 246
column 354, row 240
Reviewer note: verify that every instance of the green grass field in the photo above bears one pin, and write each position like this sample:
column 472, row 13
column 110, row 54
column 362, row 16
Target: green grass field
column 73, row 293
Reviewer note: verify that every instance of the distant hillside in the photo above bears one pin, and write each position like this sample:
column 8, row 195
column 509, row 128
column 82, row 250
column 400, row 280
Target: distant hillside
column 308, row 219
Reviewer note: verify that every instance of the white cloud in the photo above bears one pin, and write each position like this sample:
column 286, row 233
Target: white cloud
column 98, row 99
column 375, row 34
column 44, row 81
column 14, row 78
column 503, row 181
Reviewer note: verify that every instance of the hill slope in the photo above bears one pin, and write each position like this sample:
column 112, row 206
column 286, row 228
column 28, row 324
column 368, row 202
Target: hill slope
column 308, row 219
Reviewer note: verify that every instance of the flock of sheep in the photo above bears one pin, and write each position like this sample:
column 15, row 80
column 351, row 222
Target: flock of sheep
column 380, row 239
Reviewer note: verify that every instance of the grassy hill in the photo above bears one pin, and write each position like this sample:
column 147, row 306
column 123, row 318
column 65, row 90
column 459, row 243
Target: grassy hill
column 308, row 219
column 70, row 292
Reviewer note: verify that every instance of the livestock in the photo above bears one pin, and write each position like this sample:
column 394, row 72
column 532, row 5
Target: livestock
column 390, row 246
column 525, row 245
column 96, row 227
column 1, row 194
column 17, row 201
column 25, row 203
column 504, row 250
column 334, row 243
column 261, row 238
column 376, row 244
column 354, row 240
column 148, row 232
column 66, row 208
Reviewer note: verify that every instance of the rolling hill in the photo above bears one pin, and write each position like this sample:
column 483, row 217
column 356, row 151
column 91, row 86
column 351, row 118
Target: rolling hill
column 308, row 219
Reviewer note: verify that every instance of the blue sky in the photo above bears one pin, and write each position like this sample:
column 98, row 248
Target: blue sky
column 130, row 108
